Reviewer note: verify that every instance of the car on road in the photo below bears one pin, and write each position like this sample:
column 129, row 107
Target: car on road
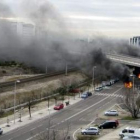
column 89, row 93
column 1, row 131
column 109, row 124
column 90, row 131
column 59, row 106
column 86, row 94
column 98, row 88
column 111, row 113
column 129, row 131
column 134, row 137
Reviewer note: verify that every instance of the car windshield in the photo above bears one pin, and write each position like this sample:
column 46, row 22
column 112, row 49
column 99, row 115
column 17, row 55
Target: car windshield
column 124, row 131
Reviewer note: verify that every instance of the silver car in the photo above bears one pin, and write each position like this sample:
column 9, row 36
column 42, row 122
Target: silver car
column 90, row 131
column 111, row 113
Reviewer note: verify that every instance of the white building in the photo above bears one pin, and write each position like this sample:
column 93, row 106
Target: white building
column 24, row 30
column 135, row 41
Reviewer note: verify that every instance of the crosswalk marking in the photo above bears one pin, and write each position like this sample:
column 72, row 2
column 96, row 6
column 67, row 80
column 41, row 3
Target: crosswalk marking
column 107, row 94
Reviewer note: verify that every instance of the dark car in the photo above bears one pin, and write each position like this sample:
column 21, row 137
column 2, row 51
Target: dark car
column 1, row 131
column 89, row 93
column 109, row 124
column 59, row 106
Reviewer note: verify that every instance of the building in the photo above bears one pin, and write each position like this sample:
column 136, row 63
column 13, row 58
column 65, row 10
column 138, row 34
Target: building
column 135, row 41
column 24, row 30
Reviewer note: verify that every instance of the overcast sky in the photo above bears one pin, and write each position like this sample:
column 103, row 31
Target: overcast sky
column 111, row 18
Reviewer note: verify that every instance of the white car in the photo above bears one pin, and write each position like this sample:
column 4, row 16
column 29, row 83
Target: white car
column 98, row 88
column 90, row 131
column 111, row 113
column 134, row 137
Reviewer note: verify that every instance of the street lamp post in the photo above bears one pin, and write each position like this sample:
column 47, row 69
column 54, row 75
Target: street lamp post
column 49, row 124
column 17, row 81
column 93, row 74
column 133, row 76
column 46, row 69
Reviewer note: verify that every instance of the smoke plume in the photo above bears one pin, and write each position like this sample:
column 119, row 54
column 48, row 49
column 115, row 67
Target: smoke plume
column 51, row 45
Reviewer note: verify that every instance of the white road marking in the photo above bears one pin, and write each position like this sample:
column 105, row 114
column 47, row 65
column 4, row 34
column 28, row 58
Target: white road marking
column 33, row 128
column 40, row 125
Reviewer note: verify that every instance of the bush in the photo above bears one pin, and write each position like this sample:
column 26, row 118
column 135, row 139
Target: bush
column 80, row 137
column 3, row 71
column 128, row 118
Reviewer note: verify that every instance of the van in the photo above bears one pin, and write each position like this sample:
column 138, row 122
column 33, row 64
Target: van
column 109, row 124
column 129, row 131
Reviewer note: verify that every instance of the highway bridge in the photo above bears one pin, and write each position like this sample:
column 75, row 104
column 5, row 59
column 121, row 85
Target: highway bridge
column 124, row 59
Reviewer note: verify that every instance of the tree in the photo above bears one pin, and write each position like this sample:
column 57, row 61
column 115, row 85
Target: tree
column 131, row 101
column 29, row 98
column 54, row 134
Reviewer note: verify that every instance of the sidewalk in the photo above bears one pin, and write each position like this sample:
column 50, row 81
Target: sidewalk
column 40, row 114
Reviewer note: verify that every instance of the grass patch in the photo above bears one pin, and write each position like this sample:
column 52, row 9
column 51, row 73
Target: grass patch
column 87, row 137
column 128, row 118
column 5, row 114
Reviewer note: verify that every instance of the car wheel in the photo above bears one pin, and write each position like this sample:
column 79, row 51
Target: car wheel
column 84, row 133
column 102, row 128
column 114, row 127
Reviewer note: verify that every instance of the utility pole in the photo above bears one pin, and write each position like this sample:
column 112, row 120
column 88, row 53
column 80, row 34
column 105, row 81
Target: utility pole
column 93, row 75
column 66, row 71
column 46, row 69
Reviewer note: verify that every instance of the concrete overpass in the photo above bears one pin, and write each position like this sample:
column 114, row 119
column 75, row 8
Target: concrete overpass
column 124, row 59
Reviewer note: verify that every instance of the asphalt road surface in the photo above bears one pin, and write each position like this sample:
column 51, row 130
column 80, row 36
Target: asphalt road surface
column 75, row 116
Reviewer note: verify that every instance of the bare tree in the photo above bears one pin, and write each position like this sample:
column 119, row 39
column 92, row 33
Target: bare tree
column 29, row 98
column 54, row 134
column 131, row 102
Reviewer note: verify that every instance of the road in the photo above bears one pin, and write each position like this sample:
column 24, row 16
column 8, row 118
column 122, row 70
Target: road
column 75, row 116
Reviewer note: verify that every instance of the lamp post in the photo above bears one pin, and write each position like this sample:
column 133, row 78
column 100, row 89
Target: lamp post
column 46, row 69
column 49, row 124
column 93, row 74
column 17, row 81
column 133, row 76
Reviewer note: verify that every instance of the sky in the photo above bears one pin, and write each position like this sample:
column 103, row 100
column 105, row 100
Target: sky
column 87, row 18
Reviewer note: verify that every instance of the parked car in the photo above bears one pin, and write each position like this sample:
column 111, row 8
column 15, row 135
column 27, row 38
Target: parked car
column 111, row 113
column 89, row 93
column 128, row 131
column 1, row 131
column 109, row 124
column 84, row 95
column 90, row 131
column 59, row 106
column 106, row 83
column 98, row 88
column 76, row 90
column 134, row 137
